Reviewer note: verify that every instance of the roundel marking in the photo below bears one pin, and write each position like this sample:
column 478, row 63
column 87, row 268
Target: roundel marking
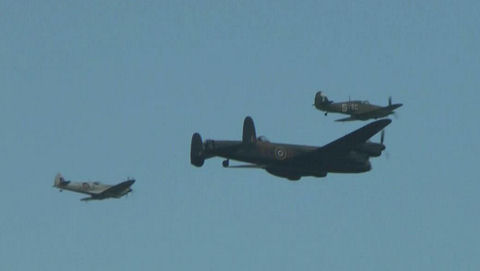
column 280, row 153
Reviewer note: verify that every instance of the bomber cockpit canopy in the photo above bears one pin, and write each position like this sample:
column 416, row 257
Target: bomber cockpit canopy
column 263, row 139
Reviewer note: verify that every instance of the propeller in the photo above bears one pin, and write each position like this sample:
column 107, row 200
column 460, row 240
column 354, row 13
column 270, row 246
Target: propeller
column 390, row 104
column 130, row 178
column 382, row 139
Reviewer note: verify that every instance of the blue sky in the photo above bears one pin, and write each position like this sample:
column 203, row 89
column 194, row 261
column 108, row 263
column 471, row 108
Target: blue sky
column 105, row 90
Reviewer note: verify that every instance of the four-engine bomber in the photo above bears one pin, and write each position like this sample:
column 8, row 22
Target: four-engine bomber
column 348, row 154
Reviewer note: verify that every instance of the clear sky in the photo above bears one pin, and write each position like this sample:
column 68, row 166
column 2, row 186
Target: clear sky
column 105, row 90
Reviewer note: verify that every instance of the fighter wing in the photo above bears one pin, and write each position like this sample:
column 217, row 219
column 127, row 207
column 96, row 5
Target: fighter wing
column 378, row 112
column 347, row 119
column 344, row 144
column 117, row 190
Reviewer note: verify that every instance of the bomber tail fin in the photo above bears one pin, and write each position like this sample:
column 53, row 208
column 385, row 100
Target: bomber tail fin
column 249, row 135
column 197, row 157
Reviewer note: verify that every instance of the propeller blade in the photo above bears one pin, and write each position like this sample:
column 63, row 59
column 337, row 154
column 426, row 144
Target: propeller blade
column 382, row 139
column 390, row 101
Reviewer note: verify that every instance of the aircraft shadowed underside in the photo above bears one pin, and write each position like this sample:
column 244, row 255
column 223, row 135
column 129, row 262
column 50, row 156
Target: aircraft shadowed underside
column 348, row 154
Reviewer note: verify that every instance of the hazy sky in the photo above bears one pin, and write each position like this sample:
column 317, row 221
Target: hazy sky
column 105, row 90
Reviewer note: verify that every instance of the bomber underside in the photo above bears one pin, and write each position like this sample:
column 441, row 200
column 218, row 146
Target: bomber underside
column 295, row 171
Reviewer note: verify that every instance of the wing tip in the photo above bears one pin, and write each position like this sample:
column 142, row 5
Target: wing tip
column 385, row 121
column 382, row 123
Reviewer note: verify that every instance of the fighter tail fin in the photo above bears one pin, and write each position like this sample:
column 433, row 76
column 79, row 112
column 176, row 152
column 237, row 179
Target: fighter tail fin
column 321, row 99
column 249, row 134
column 59, row 181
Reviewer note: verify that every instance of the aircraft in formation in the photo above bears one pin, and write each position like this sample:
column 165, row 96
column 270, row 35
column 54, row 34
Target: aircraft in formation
column 96, row 190
column 348, row 154
column 358, row 110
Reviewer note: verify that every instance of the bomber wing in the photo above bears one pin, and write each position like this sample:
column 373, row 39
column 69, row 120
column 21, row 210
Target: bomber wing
column 353, row 139
column 344, row 144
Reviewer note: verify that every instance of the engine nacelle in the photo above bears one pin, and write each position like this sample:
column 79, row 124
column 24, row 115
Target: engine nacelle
column 292, row 176
column 371, row 149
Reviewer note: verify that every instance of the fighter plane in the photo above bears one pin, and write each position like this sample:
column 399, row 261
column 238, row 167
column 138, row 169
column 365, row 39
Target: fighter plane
column 96, row 190
column 348, row 154
column 358, row 110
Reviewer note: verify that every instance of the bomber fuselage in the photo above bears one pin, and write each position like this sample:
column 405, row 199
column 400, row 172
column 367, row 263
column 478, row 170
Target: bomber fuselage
column 277, row 158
